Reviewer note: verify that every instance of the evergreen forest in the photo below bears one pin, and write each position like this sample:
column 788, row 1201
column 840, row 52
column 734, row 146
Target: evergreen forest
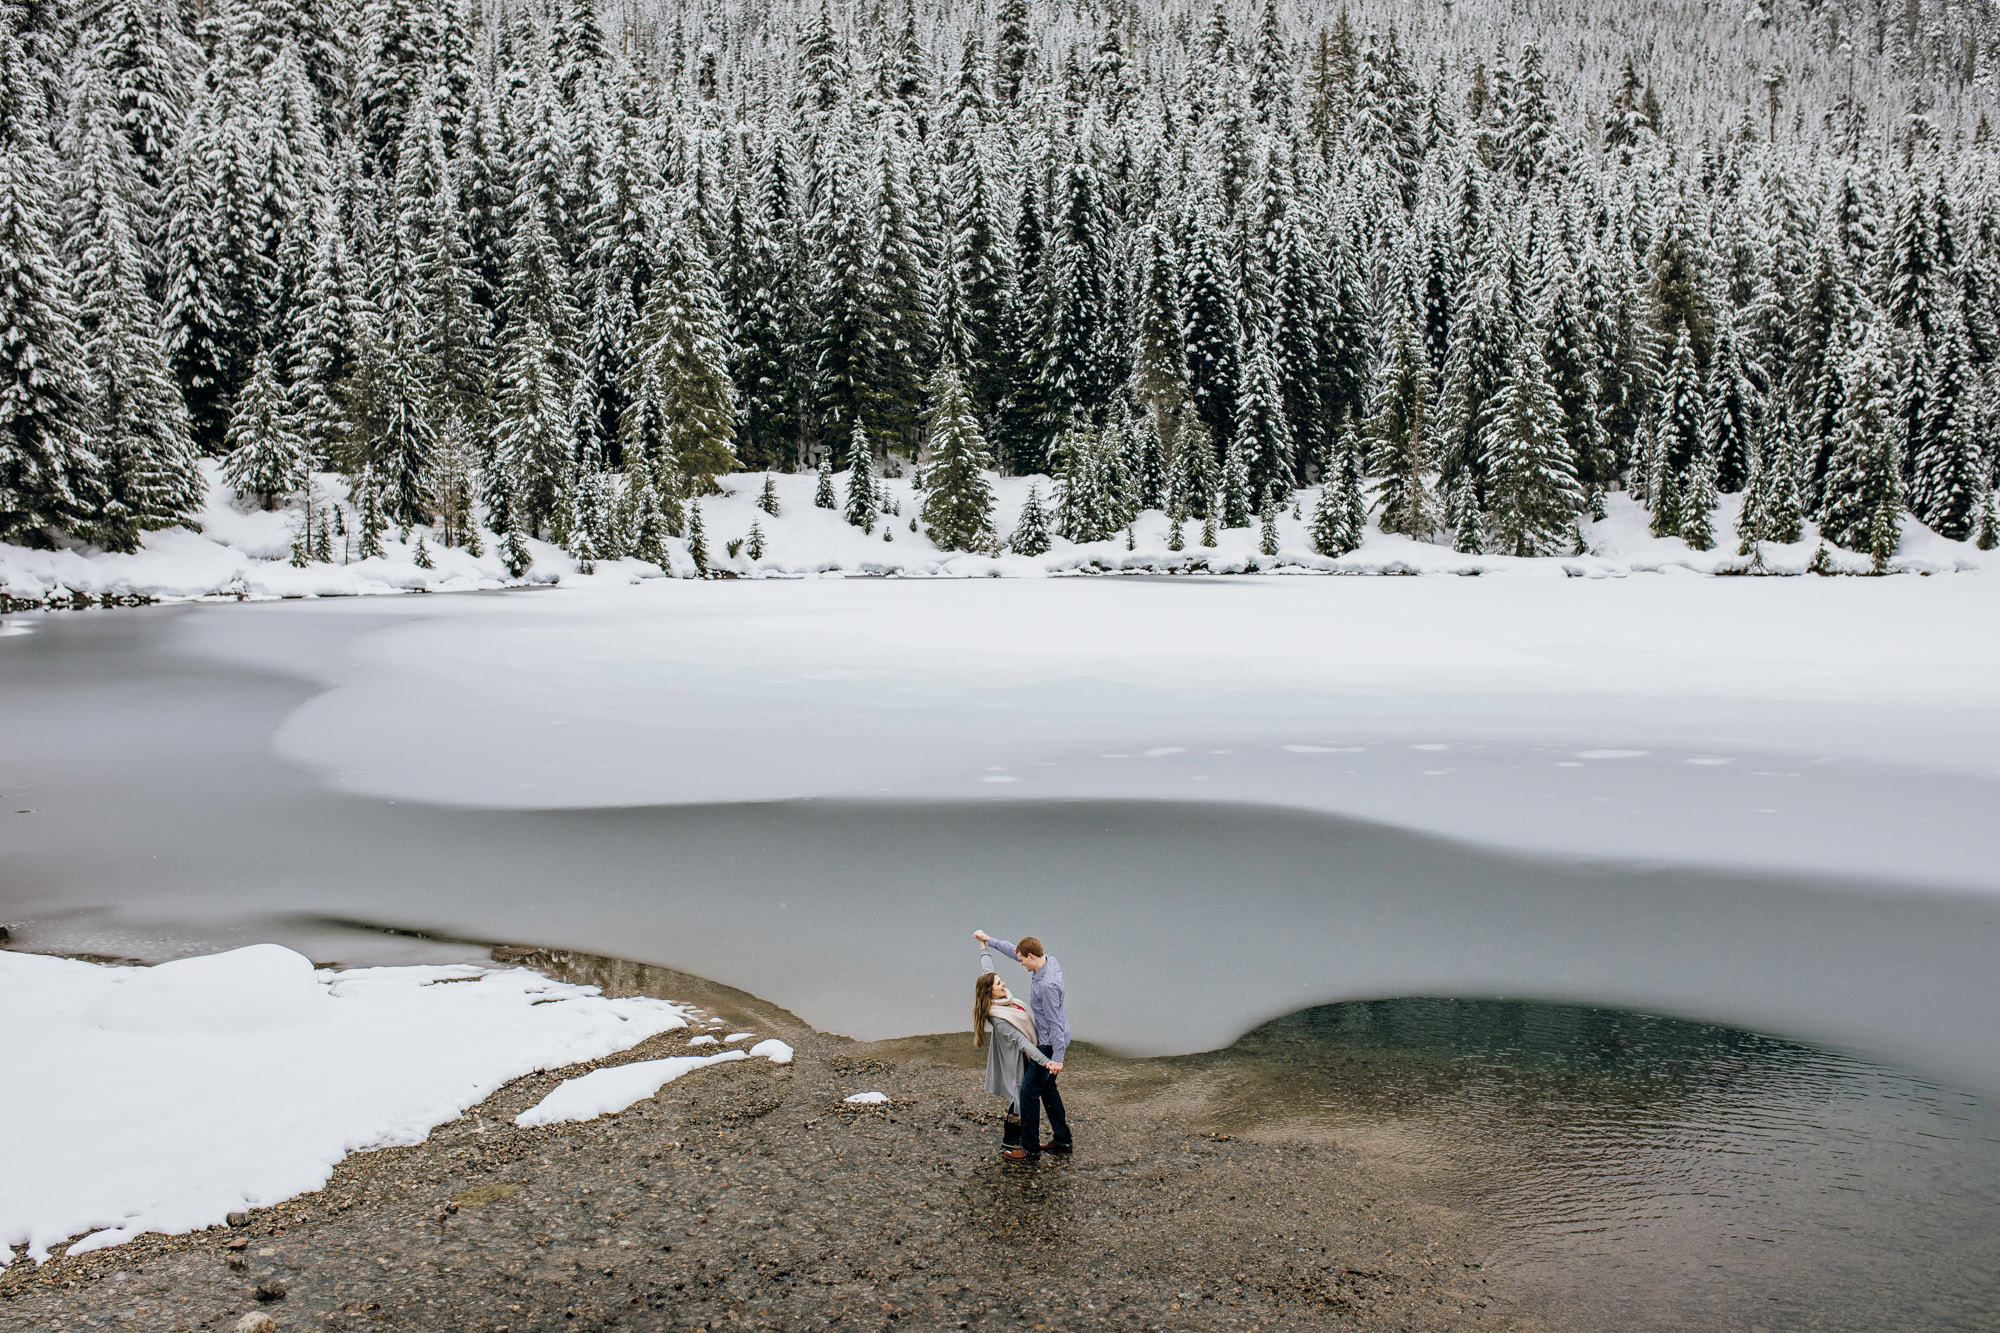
column 549, row 268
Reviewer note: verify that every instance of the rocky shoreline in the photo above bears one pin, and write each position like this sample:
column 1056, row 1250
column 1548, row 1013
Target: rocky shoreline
column 753, row 1195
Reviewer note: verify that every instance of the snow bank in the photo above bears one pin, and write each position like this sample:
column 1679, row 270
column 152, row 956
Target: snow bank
column 244, row 552
column 867, row 1099
column 609, row 1091
column 777, row 1052
column 164, row 1098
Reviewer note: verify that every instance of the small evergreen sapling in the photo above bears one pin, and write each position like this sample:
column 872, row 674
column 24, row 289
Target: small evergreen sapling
column 823, row 496
column 753, row 545
column 369, row 516
column 1350, row 501
column 1468, row 535
column 767, row 499
column 1989, row 523
column 423, row 556
column 1698, row 501
column 1235, row 486
column 1268, row 525
column 1208, row 529
column 1031, row 534
column 861, row 496
column 697, row 539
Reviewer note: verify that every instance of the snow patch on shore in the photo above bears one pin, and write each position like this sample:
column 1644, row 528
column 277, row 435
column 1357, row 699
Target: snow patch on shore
column 609, row 1091
column 164, row 1098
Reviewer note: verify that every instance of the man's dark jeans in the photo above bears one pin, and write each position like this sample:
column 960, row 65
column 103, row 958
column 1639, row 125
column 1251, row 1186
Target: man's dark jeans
column 1038, row 1088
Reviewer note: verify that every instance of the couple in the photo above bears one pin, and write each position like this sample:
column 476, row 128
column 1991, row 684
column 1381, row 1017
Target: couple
column 1025, row 1045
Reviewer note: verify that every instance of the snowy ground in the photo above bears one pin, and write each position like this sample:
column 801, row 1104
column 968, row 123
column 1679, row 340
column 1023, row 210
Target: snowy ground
column 164, row 1098
column 243, row 552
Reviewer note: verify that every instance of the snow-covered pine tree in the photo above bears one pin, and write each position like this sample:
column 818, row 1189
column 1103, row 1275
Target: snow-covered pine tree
column 369, row 520
column 1475, row 372
column 1678, row 437
column 1158, row 368
column 1193, row 479
column 1857, row 489
column 150, row 478
column 1468, row 525
column 1697, row 500
column 1781, row 514
column 898, row 262
column 647, row 523
column 1031, row 533
column 958, row 500
column 405, row 434
column 1532, row 491
column 861, row 497
column 1574, row 356
column 1349, row 472
column 1267, row 525
column 1398, row 435
column 453, row 469
column 267, row 453
column 1211, row 335
column 1340, row 514
column 1263, row 439
column 1947, row 471
column 683, row 354
column 1734, row 407
column 823, row 497
column 767, row 498
column 981, row 281
column 48, row 475
column 1236, row 497
column 1080, row 362
column 535, row 443
column 697, row 539
column 1077, row 459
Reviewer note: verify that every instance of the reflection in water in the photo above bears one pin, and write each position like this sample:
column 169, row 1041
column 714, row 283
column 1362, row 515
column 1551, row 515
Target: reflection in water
column 1658, row 1173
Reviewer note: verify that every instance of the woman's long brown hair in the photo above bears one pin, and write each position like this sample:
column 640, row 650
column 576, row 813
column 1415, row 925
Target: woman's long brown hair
column 982, row 1005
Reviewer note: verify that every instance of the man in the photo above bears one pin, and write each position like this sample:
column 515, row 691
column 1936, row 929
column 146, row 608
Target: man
column 1038, row 1085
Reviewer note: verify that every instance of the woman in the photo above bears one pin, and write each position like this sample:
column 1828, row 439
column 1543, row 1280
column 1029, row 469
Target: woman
column 1004, row 1026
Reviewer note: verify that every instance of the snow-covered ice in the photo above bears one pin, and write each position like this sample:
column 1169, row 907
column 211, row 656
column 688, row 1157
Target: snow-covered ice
column 164, row 1098
column 1355, row 697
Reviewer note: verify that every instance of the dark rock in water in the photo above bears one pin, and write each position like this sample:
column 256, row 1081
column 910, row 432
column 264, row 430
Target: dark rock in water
column 238, row 1219
column 6, row 935
column 271, row 1289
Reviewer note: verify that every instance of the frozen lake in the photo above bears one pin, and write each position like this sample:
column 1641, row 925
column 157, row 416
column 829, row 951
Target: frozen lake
column 1759, row 802
column 1763, row 804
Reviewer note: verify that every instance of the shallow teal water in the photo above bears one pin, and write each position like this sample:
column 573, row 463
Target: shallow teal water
column 1646, row 1172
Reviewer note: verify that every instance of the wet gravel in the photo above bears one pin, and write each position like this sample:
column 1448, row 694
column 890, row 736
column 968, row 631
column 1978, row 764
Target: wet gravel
column 749, row 1195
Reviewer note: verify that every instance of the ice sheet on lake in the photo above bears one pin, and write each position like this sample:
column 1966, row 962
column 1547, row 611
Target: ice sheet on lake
column 1641, row 719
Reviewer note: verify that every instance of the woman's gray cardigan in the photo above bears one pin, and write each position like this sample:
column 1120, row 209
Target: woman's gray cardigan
column 1006, row 1049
